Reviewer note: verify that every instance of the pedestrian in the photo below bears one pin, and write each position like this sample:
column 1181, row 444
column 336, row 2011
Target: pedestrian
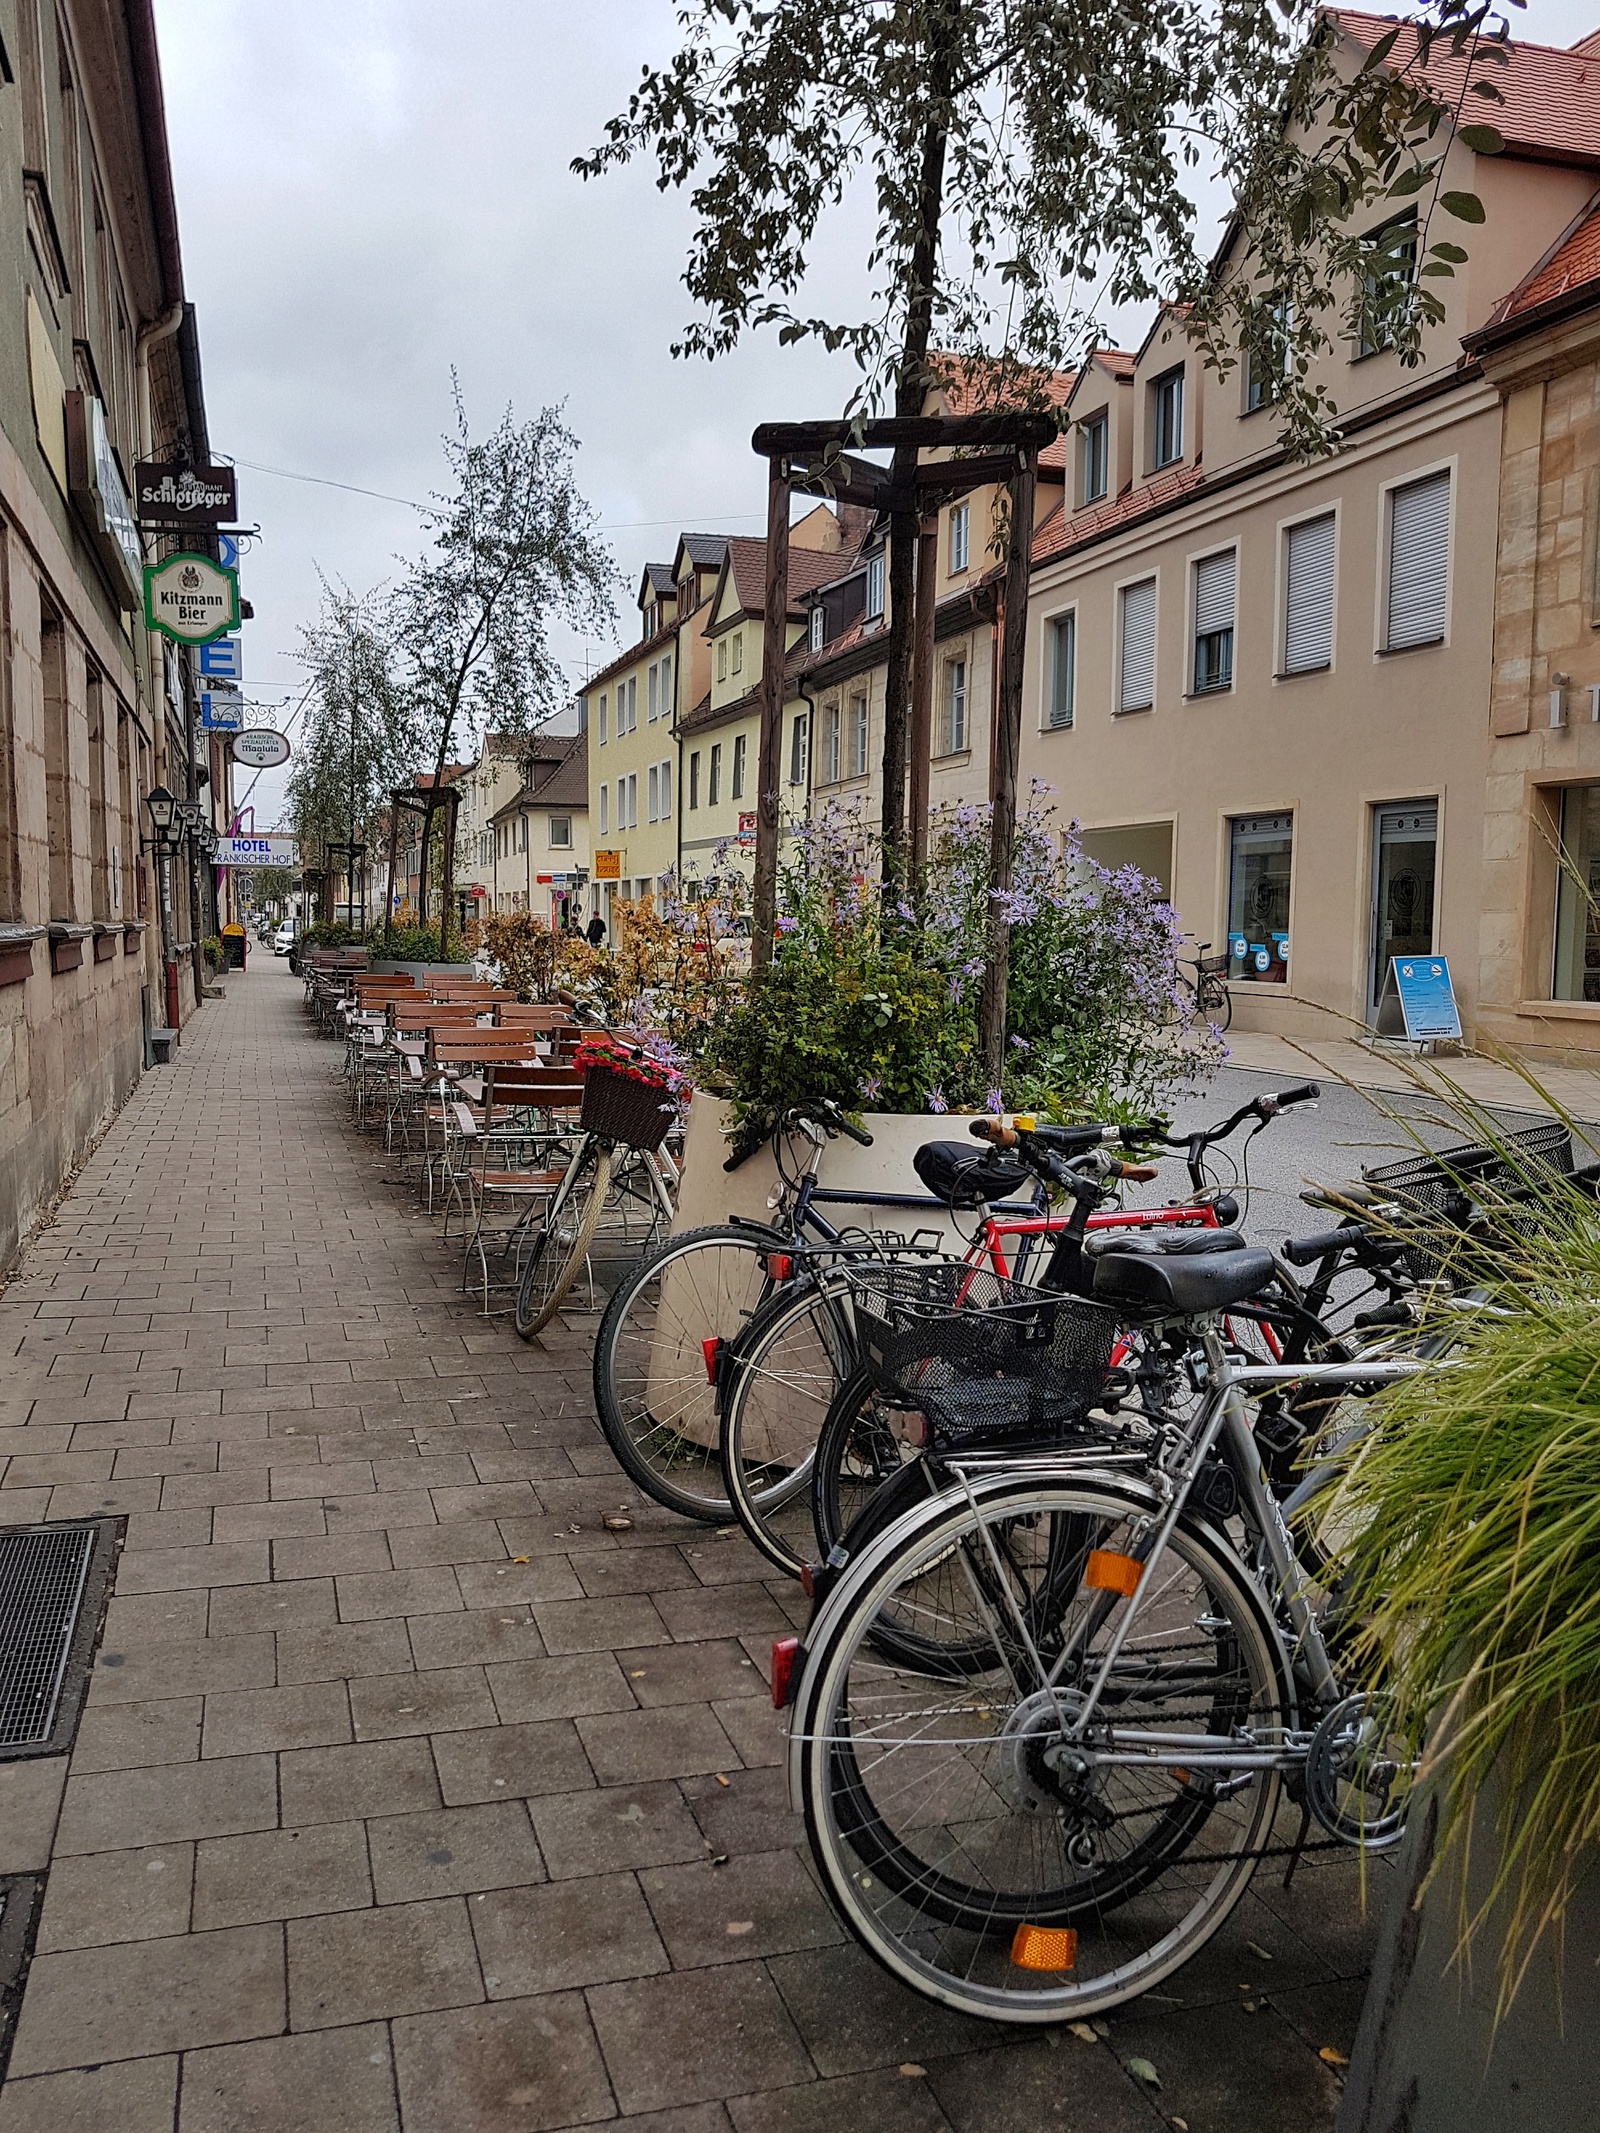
column 597, row 931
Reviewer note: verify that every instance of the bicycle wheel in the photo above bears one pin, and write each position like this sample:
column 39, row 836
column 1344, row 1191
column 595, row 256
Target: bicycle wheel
column 556, row 1256
column 781, row 1384
column 1216, row 1002
column 653, row 1389
column 983, row 1852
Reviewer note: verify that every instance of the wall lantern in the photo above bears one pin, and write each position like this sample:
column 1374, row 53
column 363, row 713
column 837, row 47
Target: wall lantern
column 162, row 809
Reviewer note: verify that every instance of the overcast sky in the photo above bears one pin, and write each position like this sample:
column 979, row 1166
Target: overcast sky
column 372, row 191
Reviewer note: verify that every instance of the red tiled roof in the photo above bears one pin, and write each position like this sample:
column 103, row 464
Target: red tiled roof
column 974, row 384
column 1063, row 529
column 808, row 568
column 1119, row 361
column 1575, row 260
column 1551, row 107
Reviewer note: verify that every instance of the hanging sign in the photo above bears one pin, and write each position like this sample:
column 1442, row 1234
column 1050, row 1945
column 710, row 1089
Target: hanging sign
column 170, row 495
column 222, row 708
column 188, row 599
column 261, row 748
column 257, row 852
column 1427, row 997
column 608, row 866
column 222, row 659
column 97, row 489
column 747, row 829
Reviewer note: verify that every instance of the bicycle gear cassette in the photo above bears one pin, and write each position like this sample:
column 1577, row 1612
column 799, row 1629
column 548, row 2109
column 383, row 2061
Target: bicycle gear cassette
column 1357, row 1783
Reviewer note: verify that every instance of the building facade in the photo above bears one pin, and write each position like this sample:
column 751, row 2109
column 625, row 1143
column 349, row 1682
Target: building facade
column 1267, row 682
column 539, row 857
column 99, row 367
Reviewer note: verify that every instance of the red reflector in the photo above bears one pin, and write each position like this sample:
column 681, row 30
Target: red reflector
column 808, row 1581
column 783, row 1657
column 710, row 1350
column 779, row 1266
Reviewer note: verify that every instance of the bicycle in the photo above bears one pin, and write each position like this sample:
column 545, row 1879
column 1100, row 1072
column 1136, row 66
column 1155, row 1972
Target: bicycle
column 1042, row 1723
column 1208, row 987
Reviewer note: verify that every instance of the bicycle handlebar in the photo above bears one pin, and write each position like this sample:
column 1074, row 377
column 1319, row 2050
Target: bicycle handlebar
column 1303, row 1251
column 820, row 1110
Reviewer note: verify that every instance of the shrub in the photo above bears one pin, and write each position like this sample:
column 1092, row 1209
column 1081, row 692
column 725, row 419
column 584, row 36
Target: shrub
column 330, row 933
column 417, row 944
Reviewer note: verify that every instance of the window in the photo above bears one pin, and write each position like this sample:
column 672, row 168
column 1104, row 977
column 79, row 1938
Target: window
column 522, row 833
column 714, row 775
column 57, row 762
column 1264, row 366
column 1419, row 563
column 667, row 705
column 858, row 736
column 666, row 792
column 874, row 585
column 633, row 802
column 1096, row 457
column 653, row 792
column 99, row 863
column 1390, row 271
column 1063, row 668
column 627, row 705
column 738, row 651
column 958, row 538
column 1308, row 596
column 738, row 766
column 722, row 659
column 1213, row 622
column 694, row 779
column 1166, row 408
column 953, row 708
column 818, row 623
column 831, row 751
column 602, row 726
column 1136, row 679
column 1261, row 848
column 653, row 683
column 605, row 813
column 1576, row 975
column 561, row 833
column 799, row 748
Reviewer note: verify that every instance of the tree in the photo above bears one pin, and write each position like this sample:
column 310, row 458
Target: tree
column 361, row 734
column 1027, row 160
column 513, row 550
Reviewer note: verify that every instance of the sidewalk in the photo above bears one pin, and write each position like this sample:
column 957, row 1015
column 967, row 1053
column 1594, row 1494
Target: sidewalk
column 407, row 1796
column 1574, row 1089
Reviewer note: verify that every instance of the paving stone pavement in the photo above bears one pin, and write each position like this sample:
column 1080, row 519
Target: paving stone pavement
column 402, row 1785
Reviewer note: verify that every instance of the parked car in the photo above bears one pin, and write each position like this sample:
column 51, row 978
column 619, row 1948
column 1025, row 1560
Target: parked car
column 284, row 939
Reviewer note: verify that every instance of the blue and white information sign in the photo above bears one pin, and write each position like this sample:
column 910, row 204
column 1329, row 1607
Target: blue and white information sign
column 222, row 659
column 1427, row 997
column 222, row 709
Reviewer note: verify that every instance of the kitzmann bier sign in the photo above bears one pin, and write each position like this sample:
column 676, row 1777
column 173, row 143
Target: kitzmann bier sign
column 189, row 599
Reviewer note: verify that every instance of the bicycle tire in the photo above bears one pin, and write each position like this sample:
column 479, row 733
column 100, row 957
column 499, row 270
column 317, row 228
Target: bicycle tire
column 781, row 1386
column 655, row 1402
column 559, row 1251
column 1219, row 1012
column 908, row 1892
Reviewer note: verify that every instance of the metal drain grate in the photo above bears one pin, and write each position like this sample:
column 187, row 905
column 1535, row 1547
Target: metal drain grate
column 42, row 1573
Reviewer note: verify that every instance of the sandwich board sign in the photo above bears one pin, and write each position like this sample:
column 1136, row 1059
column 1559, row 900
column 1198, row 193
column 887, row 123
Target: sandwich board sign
column 189, row 600
column 1427, row 997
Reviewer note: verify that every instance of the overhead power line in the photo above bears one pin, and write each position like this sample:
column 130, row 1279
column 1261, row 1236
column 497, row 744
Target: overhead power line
column 383, row 496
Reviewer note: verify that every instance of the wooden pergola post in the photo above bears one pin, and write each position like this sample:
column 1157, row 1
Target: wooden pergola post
column 774, row 650
column 922, row 692
column 1003, row 776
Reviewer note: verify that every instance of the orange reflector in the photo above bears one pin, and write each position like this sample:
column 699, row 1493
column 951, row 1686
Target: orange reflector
column 1108, row 1572
column 784, row 1652
column 1044, row 1948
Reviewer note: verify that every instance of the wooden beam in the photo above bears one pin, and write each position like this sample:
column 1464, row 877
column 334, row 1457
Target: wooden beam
column 1003, row 778
column 797, row 440
column 774, row 645
column 842, row 474
column 963, row 474
column 922, row 691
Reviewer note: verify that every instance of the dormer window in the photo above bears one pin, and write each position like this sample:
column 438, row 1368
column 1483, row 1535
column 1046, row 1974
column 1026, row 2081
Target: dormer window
column 1096, row 457
column 1166, row 406
column 818, row 627
column 875, row 586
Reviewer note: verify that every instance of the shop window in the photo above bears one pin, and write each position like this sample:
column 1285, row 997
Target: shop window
column 1261, row 850
column 99, row 854
column 1576, row 975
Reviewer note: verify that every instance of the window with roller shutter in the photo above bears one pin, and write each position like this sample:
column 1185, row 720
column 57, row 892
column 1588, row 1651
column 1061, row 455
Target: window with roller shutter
column 1214, row 577
column 1308, row 596
column 1419, row 563
column 1136, row 673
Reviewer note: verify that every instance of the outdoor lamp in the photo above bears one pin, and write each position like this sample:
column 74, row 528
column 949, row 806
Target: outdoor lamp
column 160, row 805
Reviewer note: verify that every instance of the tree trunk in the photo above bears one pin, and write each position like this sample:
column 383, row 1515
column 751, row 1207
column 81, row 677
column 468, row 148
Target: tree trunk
column 922, row 692
column 769, row 766
column 1003, row 776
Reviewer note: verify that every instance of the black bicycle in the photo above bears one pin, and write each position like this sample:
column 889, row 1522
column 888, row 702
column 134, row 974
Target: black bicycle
column 1207, row 987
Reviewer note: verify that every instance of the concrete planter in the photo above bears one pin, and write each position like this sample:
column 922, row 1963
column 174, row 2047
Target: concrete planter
column 1429, row 2057
column 709, row 1194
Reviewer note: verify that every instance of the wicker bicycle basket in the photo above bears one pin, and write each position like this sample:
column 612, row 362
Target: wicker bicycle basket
column 1447, row 1190
column 619, row 1108
column 980, row 1355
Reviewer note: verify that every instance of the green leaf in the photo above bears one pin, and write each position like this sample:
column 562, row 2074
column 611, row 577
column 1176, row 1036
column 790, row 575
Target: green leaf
column 1380, row 52
column 1437, row 266
column 1482, row 140
column 1466, row 207
column 1142, row 2070
column 1447, row 251
column 1411, row 181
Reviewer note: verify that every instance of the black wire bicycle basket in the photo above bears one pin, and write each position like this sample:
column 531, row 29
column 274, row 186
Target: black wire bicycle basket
column 982, row 1356
column 1446, row 1192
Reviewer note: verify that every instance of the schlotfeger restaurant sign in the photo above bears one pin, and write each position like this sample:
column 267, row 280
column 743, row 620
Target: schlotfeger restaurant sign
column 166, row 494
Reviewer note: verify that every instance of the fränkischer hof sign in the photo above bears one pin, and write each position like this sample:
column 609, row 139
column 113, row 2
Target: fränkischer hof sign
column 165, row 494
column 190, row 599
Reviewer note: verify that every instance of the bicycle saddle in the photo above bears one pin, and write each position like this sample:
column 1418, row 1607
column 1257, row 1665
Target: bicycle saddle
column 1186, row 1271
column 964, row 1177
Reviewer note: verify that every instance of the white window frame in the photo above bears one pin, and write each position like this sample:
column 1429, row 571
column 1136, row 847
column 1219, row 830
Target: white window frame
column 736, row 776
column 1193, row 564
column 560, row 844
column 860, row 732
column 960, row 535
column 953, row 700
column 814, row 628
column 1053, row 621
column 694, row 779
column 605, row 810
column 1122, row 585
column 799, row 748
column 652, row 688
column 1158, row 385
column 736, row 664
column 875, row 586
column 652, row 793
column 668, row 707
column 832, row 762
column 601, row 720
column 1380, row 620
column 666, row 789
column 722, row 659
column 1102, row 422
column 714, row 775
column 1281, row 671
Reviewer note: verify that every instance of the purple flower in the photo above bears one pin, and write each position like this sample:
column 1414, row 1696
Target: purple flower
column 1020, row 1044
column 992, row 1100
column 936, row 1100
column 871, row 1089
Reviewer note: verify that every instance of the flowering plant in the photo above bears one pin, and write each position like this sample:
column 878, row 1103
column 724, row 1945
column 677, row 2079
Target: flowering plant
column 640, row 1063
